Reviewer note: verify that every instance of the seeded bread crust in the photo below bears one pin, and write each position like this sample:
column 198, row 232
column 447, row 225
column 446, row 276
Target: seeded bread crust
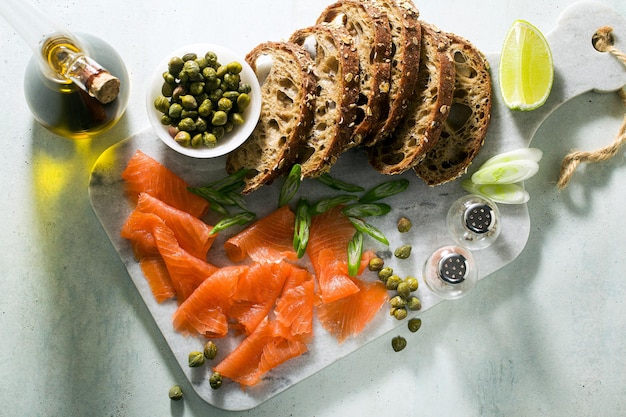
column 369, row 27
column 423, row 122
column 288, row 97
column 406, row 37
column 337, row 70
column 466, row 127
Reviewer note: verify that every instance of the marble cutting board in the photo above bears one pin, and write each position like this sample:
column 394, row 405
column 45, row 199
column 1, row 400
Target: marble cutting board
column 579, row 68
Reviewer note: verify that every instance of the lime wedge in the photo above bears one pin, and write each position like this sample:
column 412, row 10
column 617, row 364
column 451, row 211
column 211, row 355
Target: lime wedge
column 526, row 69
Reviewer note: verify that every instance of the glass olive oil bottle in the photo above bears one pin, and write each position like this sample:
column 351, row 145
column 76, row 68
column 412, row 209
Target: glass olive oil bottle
column 76, row 85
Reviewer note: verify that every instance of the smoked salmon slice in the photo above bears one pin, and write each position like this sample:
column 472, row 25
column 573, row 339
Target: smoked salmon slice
column 145, row 174
column 192, row 234
column 159, row 281
column 294, row 309
column 269, row 239
column 205, row 311
column 348, row 316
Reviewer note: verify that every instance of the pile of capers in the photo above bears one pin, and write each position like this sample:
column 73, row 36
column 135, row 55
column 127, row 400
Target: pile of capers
column 201, row 99
column 198, row 359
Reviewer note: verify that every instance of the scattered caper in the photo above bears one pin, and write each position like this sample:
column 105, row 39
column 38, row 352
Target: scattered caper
column 414, row 324
column 215, row 380
column 210, row 350
column 376, row 264
column 392, row 282
column 385, row 273
column 397, row 302
column 398, row 343
column 403, row 252
column 404, row 225
column 176, row 393
column 403, row 289
column 399, row 313
column 196, row 359
column 413, row 303
column 413, row 283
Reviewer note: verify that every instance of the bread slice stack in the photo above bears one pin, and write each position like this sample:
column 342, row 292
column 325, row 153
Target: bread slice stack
column 371, row 74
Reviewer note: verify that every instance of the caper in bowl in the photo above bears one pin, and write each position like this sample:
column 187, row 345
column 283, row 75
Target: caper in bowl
column 203, row 100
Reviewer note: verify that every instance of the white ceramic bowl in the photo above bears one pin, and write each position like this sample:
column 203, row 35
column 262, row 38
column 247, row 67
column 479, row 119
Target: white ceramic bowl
column 231, row 140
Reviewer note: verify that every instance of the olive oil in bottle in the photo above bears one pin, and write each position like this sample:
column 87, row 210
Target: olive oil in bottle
column 76, row 85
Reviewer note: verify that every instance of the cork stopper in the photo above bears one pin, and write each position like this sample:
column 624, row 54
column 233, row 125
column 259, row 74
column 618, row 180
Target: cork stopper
column 104, row 87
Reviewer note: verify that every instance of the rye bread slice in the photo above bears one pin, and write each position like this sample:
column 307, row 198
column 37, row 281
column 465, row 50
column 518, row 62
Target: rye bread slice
column 421, row 126
column 369, row 26
column 464, row 131
column 337, row 70
column 288, row 97
column 406, row 37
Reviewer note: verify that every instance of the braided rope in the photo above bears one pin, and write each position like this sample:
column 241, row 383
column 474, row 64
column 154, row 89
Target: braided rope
column 603, row 42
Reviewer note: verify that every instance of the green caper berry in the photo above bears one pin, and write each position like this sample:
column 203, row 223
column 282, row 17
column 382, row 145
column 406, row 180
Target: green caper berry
column 398, row 343
column 189, row 102
column 162, row 104
column 413, row 283
column 183, row 138
column 231, row 81
column 414, row 303
column 209, row 140
column 196, row 88
column 403, row 289
column 189, row 113
column 236, row 119
column 210, row 350
column 169, row 78
column 234, row 67
column 215, row 95
column 166, row 120
column 221, row 71
column 218, row 131
column 376, row 264
column 243, row 101
column 414, row 324
column 209, row 74
column 167, row 89
column 201, row 125
column 229, row 126
column 244, row 88
column 232, row 95
column 212, row 85
column 205, row 108
column 403, row 252
column 196, row 359
column 219, row 118
column 215, row 380
column 224, row 104
column 392, row 282
column 189, row 56
column 400, row 313
column 175, row 110
column 404, row 225
column 191, row 68
column 175, row 65
column 202, row 62
column 385, row 273
column 397, row 302
column 211, row 58
column 187, row 124
column 196, row 140
column 183, row 76
column 175, row 393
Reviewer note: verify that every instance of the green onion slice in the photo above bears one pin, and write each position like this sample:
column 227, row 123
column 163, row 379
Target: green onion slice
column 339, row 185
column 367, row 228
column 301, row 227
column 229, row 183
column 355, row 251
column 366, row 209
column 386, row 189
column 529, row 154
column 506, row 172
column 213, row 195
column 238, row 219
column 499, row 193
column 291, row 185
column 326, row 204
